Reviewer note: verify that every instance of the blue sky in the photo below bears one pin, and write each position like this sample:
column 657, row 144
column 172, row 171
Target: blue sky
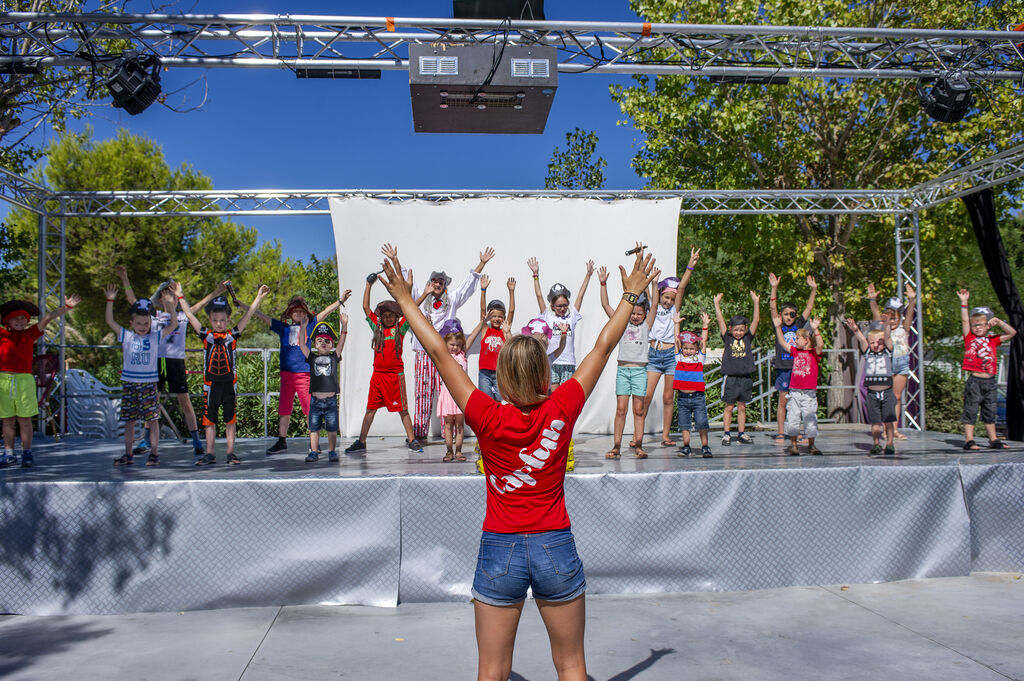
column 268, row 129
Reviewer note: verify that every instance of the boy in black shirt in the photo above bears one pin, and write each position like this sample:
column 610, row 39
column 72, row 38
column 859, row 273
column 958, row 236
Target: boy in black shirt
column 324, row 386
column 737, row 366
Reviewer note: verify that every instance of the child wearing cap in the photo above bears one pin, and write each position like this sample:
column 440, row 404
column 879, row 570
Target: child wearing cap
column 981, row 362
column 18, row 402
column 631, row 366
column 562, row 319
column 387, row 382
column 876, row 347
column 737, row 366
column 494, row 321
column 296, row 321
column 219, row 371
column 688, row 383
column 899, row 323
column 661, row 357
column 139, row 373
column 791, row 321
column 805, row 349
column 323, row 385
column 452, row 418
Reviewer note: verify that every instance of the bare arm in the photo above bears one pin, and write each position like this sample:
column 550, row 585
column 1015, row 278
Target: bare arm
column 189, row 312
column 857, row 333
column 485, row 281
column 704, row 321
column 965, row 317
column 779, row 336
column 564, row 328
column 219, row 289
column 876, row 314
column 773, row 295
column 110, row 291
column 685, row 280
column 244, row 321
column 471, row 338
column 342, row 333
column 366, row 296
column 677, row 322
column 809, row 307
column 128, row 292
column 722, row 328
column 908, row 317
column 69, row 304
column 888, row 336
column 324, row 313
column 602, row 277
column 652, row 299
column 593, row 364
column 1008, row 331
column 819, row 342
column 535, row 268
column 756, row 318
column 172, row 324
column 258, row 314
column 485, row 257
column 303, row 340
column 511, row 283
column 583, row 286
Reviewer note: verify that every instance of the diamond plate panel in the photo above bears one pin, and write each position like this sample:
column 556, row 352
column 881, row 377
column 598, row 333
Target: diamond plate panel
column 995, row 500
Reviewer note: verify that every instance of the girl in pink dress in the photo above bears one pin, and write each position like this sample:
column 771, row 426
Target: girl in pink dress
column 447, row 410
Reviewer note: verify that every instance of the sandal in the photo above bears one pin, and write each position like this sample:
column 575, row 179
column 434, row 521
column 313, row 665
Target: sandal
column 233, row 460
column 124, row 460
column 971, row 445
column 459, row 456
column 153, row 460
column 641, row 454
column 998, row 444
column 448, row 456
column 668, row 443
column 779, row 439
column 612, row 454
column 899, row 436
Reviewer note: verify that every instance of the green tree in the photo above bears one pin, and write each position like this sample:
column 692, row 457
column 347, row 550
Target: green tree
column 575, row 167
column 818, row 134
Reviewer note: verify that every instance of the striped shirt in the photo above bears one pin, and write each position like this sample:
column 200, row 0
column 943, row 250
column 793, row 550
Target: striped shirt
column 689, row 373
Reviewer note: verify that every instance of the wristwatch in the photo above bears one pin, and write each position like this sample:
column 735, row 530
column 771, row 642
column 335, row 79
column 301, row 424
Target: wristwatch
column 630, row 298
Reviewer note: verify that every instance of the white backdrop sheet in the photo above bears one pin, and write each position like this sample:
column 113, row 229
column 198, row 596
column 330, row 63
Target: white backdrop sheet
column 562, row 233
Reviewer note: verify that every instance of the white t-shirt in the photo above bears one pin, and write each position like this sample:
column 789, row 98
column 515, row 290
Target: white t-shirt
column 663, row 327
column 633, row 345
column 437, row 311
column 140, row 356
column 172, row 346
column 573, row 317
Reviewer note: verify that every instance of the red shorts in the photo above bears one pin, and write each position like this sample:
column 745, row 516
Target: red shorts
column 293, row 383
column 386, row 390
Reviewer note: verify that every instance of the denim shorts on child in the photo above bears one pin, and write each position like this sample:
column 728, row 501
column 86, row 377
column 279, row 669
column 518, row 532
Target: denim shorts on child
column 546, row 562
column 782, row 377
column 560, row 373
column 487, row 381
column 661, row 361
column 631, row 381
column 692, row 408
column 323, row 414
column 901, row 365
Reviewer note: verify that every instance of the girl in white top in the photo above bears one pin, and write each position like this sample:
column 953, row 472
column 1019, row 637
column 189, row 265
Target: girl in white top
column 899, row 318
column 661, row 360
column 558, row 317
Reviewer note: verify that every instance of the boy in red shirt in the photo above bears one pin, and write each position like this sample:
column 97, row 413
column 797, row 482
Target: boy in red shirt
column 981, row 363
column 18, row 402
column 803, row 382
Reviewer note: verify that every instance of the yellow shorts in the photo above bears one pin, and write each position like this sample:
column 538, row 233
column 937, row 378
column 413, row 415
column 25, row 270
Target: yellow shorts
column 17, row 395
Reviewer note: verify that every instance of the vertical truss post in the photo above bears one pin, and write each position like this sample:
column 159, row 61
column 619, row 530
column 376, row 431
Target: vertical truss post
column 908, row 270
column 63, row 318
column 50, row 271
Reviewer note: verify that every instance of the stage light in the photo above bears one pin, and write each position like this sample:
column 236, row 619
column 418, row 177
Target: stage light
column 134, row 82
column 515, row 10
column 948, row 99
column 338, row 73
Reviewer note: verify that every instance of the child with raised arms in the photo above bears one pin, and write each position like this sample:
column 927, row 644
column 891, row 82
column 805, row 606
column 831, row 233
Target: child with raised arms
column 525, row 446
column 452, row 418
column 876, row 347
column 139, row 372
column 981, row 362
column 737, row 366
column 805, row 350
column 493, row 321
column 899, row 315
column 692, row 406
column 324, row 387
column 562, row 317
column 791, row 322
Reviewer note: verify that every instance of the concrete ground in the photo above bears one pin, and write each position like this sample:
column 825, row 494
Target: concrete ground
column 962, row 629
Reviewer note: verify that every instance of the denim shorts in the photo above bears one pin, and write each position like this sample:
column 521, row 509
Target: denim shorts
column 487, row 381
column 901, row 365
column 546, row 562
column 323, row 414
column 782, row 377
column 631, row 381
column 560, row 373
column 692, row 408
column 661, row 361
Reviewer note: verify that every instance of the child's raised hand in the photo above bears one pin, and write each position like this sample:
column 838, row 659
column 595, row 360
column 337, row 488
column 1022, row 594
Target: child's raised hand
column 964, row 295
column 694, row 257
column 392, row 279
column 176, row 287
column 590, row 267
column 534, row 265
column 222, row 287
column 563, row 327
column 345, row 296
column 344, row 320
column 511, row 283
column 773, row 281
column 756, row 298
column 121, row 271
column 263, row 290
column 72, row 301
column 872, row 292
column 812, row 282
column 850, row 324
column 815, row 323
column 486, row 255
column 602, row 274
column 389, row 251
column 704, row 319
column 678, row 318
column 909, row 292
column 506, row 328
column 485, row 281
column 718, row 298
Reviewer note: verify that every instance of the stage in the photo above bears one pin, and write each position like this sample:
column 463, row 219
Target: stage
column 83, row 537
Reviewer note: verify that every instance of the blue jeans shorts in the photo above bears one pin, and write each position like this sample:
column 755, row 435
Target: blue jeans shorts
column 546, row 562
column 560, row 373
column 901, row 365
column 323, row 414
column 661, row 361
column 487, row 381
column 631, row 381
column 692, row 408
column 782, row 377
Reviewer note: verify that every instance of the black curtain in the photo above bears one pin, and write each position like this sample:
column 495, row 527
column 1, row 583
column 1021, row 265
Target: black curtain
column 982, row 210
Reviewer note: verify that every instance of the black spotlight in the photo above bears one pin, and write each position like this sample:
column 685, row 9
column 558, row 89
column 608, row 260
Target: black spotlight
column 948, row 99
column 134, row 82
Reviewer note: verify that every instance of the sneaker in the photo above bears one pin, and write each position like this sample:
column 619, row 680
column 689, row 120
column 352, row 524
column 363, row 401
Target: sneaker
column 233, row 460
column 312, row 456
column 877, row 449
column 199, row 452
column 814, row 450
column 332, row 456
column 8, row 459
column 414, row 445
column 890, row 450
column 27, row 459
column 684, row 451
column 745, row 439
column 278, row 447
column 793, row 450
column 206, row 460
column 153, row 460
column 357, row 446
column 705, row 452
column 727, row 439
column 143, row 448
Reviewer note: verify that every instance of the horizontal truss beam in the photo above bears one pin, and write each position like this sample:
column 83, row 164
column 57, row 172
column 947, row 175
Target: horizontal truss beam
column 301, row 41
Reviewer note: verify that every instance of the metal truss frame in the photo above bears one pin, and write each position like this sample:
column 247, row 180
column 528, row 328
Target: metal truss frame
column 325, row 42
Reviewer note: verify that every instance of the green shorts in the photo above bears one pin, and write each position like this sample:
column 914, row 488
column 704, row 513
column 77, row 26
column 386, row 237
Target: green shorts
column 18, row 395
column 631, row 381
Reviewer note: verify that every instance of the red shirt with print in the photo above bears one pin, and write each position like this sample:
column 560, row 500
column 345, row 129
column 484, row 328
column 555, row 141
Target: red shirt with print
column 17, row 349
column 524, row 458
column 980, row 353
column 805, row 369
column 490, row 346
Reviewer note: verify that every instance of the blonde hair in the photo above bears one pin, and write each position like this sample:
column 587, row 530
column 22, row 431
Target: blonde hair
column 523, row 372
column 876, row 333
column 803, row 332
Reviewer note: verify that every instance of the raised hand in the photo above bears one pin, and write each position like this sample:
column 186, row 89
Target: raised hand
column 815, row 323
column 389, row 251
column 678, row 318
column 72, row 301
column 486, row 255
column 694, row 257
column 563, row 327
column 704, row 318
column 812, row 282
column 263, row 290
column 121, row 271
column 773, row 281
column 534, row 265
column 110, row 291
column 344, row 320
column 909, row 292
column 590, row 267
column 641, row 276
column 485, row 281
column 345, row 296
column 511, row 283
column 964, row 295
column 602, row 274
column 176, row 287
column 872, row 291
column 850, row 324
column 756, row 298
column 718, row 298
column 392, row 279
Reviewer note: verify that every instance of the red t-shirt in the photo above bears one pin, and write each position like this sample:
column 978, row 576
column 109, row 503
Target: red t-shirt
column 16, row 349
column 805, row 369
column 980, row 353
column 490, row 346
column 387, row 360
column 524, row 458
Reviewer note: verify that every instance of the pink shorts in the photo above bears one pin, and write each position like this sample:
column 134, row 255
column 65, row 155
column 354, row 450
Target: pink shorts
column 292, row 384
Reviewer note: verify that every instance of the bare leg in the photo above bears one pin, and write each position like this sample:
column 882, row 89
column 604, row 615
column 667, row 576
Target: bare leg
column 9, row 425
column 129, row 437
column 876, row 433
column 407, row 422
column 283, row 422
column 621, row 404
column 639, row 415
column 154, row 436
column 495, row 639
column 565, row 624
column 211, row 436
column 990, row 433
column 780, row 414
column 229, row 435
column 899, row 384
column 25, row 426
column 186, row 408
column 332, row 441
column 314, row 440
column 668, row 402
column 704, row 438
column 741, row 416
column 446, row 430
column 727, row 418
column 367, row 421
column 889, row 429
column 652, row 383
column 460, row 421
